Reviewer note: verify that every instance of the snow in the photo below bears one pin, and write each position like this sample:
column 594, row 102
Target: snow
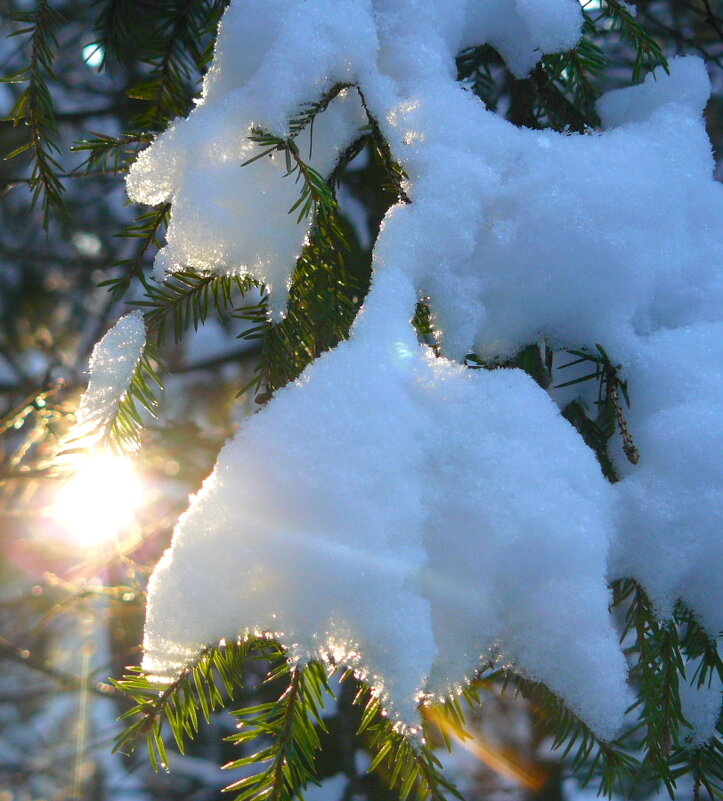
column 524, row 29
column 402, row 537
column 112, row 364
column 518, row 565
column 533, row 202
column 670, row 506
column 398, row 512
column 700, row 706
column 687, row 85
column 215, row 198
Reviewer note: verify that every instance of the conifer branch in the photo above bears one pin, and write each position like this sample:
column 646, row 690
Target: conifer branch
column 660, row 654
column 176, row 56
column 394, row 171
column 147, row 229
column 186, row 298
column 324, row 296
column 196, row 692
column 323, row 300
column 609, row 388
column 316, row 197
column 34, row 106
column 648, row 52
column 589, row 755
column 109, row 153
column 113, row 26
column 403, row 761
column 123, row 431
column 713, row 20
column 292, row 722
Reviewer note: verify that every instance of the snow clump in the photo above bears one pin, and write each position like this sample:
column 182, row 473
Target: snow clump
column 410, row 547
column 373, row 511
column 112, row 365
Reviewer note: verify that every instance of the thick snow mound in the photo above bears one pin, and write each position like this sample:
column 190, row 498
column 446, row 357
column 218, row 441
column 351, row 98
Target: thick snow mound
column 670, row 506
column 522, row 30
column 392, row 510
column 228, row 218
column 380, row 516
column 686, row 84
column 554, row 243
column 231, row 219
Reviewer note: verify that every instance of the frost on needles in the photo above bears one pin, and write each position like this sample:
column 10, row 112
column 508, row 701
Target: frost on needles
column 395, row 511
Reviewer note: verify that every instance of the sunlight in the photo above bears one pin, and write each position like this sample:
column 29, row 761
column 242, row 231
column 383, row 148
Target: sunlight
column 99, row 500
column 94, row 55
column 503, row 762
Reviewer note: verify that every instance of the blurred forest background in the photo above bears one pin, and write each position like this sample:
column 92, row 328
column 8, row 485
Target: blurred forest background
column 76, row 552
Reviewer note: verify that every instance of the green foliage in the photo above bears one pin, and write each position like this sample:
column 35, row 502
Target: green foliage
column 324, row 298
column 288, row 729
column 610, row 386
column 201, row 687
column 34, row 106
column 316, row 196
column 561, row 91
column 147, row 229
column 596, row 431
column 404, row 761
column 310, row 110
column 186, row 298
column 597, row 428
column 173, row 43
column 612, row 765
column 109, row 153
column 123, row 431
column 324, row 295
column 120, row 430
column 661, row 653
column 648, row 53
column 293, row 722
column 289, row 726
column 424, row 324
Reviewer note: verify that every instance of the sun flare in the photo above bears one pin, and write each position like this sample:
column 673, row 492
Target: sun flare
column 99, row 501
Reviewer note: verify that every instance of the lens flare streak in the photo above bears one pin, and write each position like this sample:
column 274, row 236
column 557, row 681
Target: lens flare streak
column 503, row 763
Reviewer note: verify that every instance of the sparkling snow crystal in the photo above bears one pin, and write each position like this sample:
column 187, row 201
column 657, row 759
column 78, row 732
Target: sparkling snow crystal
column 401, row 513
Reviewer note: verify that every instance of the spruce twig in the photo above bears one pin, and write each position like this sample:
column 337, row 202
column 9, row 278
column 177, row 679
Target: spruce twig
column 610, row 385
column 34, row 106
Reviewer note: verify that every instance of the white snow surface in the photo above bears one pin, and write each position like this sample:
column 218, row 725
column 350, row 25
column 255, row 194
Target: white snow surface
column 231, row 219
column 670, row 505
column 700, row 706
column 399, row 512
column 112, row 364
column 379, row 512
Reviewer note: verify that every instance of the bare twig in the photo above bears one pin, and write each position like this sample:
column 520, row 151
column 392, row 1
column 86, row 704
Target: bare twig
column 712, row 20
column 15, row 653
